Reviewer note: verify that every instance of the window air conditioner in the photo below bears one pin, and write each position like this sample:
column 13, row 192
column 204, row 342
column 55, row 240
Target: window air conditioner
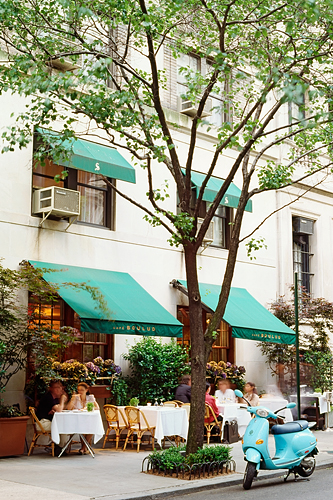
column 302, row 225
column 209, row 236
column 57, row 201
column 63, row 64
column 190, row 108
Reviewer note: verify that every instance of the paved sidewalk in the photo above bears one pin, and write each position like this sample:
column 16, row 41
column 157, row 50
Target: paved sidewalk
column 114, row 475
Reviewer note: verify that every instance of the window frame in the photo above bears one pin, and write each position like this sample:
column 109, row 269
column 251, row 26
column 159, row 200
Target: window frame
column 71, row 182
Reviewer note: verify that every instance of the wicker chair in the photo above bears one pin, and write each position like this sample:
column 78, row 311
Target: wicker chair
column 172, row 404
column 113, row 414
column 179, row 403
column 187, row 407
column 134, row 416
column 215, row 423
column 38, row 431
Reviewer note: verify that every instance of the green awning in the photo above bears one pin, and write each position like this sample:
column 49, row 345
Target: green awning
column 214, row 184
column 247, row 317
column 92, row 157
column 130, row 309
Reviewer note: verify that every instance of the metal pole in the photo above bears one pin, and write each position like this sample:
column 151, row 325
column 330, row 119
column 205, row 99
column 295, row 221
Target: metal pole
column 297, row 350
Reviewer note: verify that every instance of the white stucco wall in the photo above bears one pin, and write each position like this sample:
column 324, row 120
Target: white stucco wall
column 142, row 251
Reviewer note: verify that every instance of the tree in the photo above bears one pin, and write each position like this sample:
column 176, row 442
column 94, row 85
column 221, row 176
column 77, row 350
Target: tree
column 261, row 56
column 316, row 313
column 25, row 335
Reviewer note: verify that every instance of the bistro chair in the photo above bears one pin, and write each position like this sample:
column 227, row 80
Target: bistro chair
column 134, row 417
column 187, row 407
column 210, row 425
column 113, row 415
column 172, row 404
column 38, row 431
column 179, row 403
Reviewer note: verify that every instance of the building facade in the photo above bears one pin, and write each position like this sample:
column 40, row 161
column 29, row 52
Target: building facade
column 110, row 233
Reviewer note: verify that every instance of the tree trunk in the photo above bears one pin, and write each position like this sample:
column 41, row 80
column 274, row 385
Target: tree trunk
column 198, row 365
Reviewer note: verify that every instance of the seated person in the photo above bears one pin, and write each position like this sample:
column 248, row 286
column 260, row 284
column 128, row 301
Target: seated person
column 224, row 394
column 210, row 400
column 183, row 391
column 78, row 402
column 53, row 401
column 250, row 393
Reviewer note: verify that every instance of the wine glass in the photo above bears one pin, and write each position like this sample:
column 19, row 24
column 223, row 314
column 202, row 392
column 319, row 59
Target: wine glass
column 156, row 403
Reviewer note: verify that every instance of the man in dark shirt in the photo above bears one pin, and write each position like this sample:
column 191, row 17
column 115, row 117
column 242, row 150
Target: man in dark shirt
column 183, row 391
column 54, row 400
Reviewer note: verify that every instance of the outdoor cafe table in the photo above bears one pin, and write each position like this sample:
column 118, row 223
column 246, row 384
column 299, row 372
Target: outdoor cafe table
column 77, row 422
column 235, row 411
column 167, row 421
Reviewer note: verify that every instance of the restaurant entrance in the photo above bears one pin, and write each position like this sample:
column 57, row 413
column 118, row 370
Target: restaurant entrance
column 224, row 346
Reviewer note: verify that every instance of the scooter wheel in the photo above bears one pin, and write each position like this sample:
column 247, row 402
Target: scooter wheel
column 306, row 467
column 250, row 473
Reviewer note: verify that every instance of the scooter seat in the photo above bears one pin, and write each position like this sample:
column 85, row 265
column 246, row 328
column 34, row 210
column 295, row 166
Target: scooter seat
column 297, row 426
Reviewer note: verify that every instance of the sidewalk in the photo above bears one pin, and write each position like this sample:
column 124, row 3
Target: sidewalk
column 115, row 475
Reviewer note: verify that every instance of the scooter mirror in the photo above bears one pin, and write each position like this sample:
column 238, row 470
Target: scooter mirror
column 238, row 393
column 291, row 405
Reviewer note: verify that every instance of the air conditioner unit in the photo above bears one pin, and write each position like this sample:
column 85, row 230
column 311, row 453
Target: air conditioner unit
column 209, row 236
column 57, row 201
column 190, row 108
column 63, row 64
column 302, row 225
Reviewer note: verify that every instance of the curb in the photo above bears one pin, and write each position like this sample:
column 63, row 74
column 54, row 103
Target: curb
column 204, row 487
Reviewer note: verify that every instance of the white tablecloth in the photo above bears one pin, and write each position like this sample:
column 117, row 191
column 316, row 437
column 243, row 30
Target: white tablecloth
column 80, row 422
column 235, row 411
column 275, row 404
column 167, row 421
column 309, row 399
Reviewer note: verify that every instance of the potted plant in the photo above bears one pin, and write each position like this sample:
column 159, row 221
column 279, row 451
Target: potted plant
column 225, row 370
column 99, row 374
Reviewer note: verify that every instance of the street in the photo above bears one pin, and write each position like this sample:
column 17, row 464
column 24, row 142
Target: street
column 321, row 482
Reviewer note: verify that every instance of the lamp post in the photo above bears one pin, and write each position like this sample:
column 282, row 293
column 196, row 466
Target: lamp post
column 297, row 350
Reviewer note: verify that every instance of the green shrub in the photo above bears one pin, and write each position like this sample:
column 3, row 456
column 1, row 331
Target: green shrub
column 155, row 369
column 172, row 457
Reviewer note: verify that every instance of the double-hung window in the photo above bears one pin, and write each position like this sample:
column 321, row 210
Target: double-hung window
column 97, row 197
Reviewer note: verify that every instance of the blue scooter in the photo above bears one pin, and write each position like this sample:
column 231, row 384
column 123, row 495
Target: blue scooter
column 295, row 445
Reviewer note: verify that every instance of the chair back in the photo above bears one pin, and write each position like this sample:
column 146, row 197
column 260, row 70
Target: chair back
column 172, row 404
column 180, row 403
column 112, row 414
column 35, row 420
column 133, row 416
column 187, row 407
column 209, row 412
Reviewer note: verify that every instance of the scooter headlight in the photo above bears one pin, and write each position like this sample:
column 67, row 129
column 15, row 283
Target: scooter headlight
column 262, row 413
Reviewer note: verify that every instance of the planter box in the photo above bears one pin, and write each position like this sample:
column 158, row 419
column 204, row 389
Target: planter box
column 12, row 435
column 100, row 391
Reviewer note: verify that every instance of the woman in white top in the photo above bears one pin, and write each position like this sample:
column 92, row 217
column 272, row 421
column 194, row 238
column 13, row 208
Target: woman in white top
column 78, row 402
column 250, row 393
column 224, row 394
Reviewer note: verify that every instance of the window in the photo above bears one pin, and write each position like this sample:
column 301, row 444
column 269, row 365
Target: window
column 223, row 348
column 220, row 110
column 296, row 109
column 190, row 62
column 302, row 231
column 96, row 195
column 87, row 345
column 222, row 220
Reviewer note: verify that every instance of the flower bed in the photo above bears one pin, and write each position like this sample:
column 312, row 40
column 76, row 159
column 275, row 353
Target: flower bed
column 222, row 370
column 98, row 372
column 206, row 462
